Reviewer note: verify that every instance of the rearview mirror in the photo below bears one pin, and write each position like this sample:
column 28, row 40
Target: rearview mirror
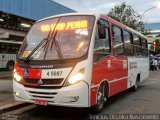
column 101, row 31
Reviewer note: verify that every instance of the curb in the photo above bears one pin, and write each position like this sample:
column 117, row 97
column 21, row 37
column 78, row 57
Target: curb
column 12, row 106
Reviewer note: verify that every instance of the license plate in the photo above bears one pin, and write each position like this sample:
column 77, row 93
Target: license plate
column 41, row 102
column 55, row 73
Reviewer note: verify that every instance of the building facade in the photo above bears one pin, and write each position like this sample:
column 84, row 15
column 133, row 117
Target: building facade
column 33, row 9
column 154, row 30
column 17, row 16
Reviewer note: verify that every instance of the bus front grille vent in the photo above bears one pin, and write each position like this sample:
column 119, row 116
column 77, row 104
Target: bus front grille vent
column 44, row 81
column 49, row 96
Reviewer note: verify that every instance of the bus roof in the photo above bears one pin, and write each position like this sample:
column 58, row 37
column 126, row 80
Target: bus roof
column 98, row 15
column 69, row 14
column 13, row 42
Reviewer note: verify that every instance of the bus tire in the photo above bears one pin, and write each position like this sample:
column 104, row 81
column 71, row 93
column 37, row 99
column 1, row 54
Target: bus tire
column 10, row 65
column 102, row 97
column 135, row 87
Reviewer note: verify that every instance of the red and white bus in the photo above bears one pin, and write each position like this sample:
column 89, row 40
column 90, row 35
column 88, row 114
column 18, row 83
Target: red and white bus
column 79, row 60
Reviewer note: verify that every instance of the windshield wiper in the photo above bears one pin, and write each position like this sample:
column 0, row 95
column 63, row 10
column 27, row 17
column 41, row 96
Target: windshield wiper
column 53, row 41
column 58, row 49
column 35, row 49
column 50, row 38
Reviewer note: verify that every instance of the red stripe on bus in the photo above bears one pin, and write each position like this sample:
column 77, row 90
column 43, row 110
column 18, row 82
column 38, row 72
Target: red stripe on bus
column 110, row 69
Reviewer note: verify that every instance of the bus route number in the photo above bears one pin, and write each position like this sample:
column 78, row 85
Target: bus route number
column 54, row 73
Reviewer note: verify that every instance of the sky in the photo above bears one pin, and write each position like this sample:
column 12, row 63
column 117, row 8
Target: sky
column 104, row 6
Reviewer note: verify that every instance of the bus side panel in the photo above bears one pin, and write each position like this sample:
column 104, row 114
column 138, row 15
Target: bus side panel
column 100, row 72
column 120, row 80
column 5, row 58
column 137, row 66
column 118, row 86
column 112, row 70
column 2, row 65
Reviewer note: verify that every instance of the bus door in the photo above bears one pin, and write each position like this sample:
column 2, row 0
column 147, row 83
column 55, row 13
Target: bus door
column 119, row 63
column 101, row 54
column 129, row 52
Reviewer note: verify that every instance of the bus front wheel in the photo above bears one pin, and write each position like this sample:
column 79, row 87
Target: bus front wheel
column 101, row 99
column 10, row 65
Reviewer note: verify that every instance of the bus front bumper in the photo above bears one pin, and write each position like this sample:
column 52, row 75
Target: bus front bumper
column 76, row 95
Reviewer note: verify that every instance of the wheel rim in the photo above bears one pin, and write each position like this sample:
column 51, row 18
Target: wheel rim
column 101, row 99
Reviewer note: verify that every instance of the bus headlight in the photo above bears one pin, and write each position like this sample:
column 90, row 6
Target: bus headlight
column 79, row 76
column 75, row 78
column 17, row 77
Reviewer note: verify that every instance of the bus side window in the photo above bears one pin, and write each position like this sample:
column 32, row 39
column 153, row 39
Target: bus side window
column 137, row 46
column 117, row 41
column 144, row 47
column 128, row 43
column 101, row 46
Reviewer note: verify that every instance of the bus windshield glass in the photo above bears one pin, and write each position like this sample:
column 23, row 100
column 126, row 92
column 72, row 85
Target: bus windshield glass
column 57, row 38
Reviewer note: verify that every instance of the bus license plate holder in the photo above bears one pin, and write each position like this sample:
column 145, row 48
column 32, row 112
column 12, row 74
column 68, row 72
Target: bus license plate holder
column 41, row 102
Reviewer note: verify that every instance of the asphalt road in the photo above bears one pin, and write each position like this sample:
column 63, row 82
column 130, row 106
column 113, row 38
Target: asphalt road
column 145, row 101
column 6, row 91
column 4, row 73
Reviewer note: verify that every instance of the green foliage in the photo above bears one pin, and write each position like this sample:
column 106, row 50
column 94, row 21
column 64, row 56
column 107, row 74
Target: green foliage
column 127, row 16
column 157, row 46
column 157, row 50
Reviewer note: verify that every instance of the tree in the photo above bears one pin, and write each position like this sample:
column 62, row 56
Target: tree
column 157, row 49
column 126, row 14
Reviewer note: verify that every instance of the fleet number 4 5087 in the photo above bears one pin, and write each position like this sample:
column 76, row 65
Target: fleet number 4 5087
column 54, row 73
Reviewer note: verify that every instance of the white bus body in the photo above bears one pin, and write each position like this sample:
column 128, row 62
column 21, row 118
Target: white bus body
column 109, row 65
column 8, row 51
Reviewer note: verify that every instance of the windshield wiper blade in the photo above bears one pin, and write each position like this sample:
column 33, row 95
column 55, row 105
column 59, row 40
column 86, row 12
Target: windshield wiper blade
column 53, row 40
column 27, row 59
column 58, row 49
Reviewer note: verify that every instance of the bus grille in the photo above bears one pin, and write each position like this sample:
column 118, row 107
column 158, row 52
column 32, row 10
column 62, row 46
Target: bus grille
column 49, row 96
column 43, row 87
column 44, row 81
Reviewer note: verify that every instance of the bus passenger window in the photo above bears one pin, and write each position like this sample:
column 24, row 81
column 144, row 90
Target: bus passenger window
column 144, row 48
column 137, row 46
column 117, row 41
column 128, row 44
column 101, row 46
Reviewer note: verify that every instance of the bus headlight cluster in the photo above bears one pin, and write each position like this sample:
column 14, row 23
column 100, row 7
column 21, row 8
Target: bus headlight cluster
column 17, row 77
column 79, row 76
column 76, row 78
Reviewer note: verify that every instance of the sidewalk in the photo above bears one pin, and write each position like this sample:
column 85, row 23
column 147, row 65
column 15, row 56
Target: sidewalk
column 7, row 102
column 6, row 91
column 4, row 73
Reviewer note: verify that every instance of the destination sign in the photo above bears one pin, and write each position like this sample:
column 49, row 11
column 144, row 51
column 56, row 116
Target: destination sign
column 65, row 26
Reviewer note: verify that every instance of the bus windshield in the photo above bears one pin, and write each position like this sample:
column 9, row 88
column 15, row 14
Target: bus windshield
column 65, row 37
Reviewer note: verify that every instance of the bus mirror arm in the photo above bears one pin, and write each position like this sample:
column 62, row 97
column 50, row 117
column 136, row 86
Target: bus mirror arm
column 101, row 31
